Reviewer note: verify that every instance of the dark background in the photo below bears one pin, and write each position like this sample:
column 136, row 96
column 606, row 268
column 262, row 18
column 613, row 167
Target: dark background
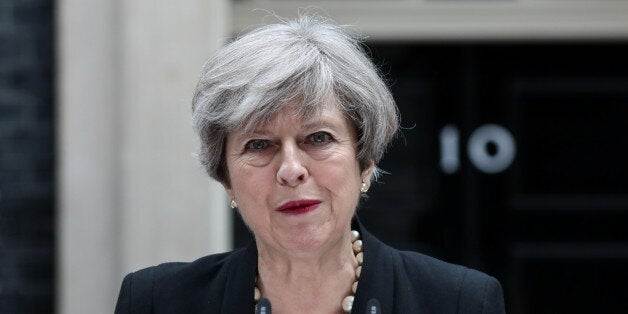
column 26, row 157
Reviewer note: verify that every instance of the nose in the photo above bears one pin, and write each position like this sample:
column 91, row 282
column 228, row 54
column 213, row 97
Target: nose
column 292, row 170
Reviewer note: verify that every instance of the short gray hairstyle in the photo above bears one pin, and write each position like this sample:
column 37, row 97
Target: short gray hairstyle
column 307, row 62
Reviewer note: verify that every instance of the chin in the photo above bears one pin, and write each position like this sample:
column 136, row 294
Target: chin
column 307, row 239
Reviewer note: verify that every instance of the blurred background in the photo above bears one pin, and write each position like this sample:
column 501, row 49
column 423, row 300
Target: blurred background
column 513, row 158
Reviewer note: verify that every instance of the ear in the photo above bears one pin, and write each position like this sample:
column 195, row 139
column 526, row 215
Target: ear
column 367, row 172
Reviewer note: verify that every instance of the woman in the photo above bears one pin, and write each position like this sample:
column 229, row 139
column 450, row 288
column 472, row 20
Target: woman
column 293, row 119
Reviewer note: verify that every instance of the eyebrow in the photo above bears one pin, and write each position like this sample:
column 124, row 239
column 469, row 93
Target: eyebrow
column 247, row 135
column 322, row 121
column 319, row 123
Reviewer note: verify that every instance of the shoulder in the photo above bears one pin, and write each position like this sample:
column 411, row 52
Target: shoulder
column 462, row 289
column 185, row 273
column 430, row 269
column 208, row 266
column 143, row 289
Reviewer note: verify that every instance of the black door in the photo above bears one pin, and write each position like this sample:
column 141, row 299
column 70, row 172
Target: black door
column 513, row 160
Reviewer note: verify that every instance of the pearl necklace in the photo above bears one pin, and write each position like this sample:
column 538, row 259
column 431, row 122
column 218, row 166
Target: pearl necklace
column 347, row 302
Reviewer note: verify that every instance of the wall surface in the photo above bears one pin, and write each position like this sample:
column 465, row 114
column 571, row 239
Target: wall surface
column 425, row 20
column 131, row 194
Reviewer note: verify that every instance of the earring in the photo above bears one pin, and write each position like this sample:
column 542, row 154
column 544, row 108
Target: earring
column 364, row 187
column 233, row 204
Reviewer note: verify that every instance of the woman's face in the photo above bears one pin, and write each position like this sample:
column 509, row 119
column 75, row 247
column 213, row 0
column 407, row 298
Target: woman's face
column 296, row 182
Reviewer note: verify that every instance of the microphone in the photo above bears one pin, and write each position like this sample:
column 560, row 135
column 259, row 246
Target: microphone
column 373, row 307
column 263, row 307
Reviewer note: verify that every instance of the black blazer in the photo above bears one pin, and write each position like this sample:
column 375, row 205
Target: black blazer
column 402, row 282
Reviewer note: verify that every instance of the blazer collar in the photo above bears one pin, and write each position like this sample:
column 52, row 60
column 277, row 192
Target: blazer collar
column 241, row 281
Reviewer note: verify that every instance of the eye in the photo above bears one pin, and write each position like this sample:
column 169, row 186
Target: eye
column 256, row 144
column 319, row 138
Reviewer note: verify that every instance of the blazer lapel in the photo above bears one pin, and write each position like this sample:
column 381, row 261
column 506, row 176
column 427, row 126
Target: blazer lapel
column 377, row 278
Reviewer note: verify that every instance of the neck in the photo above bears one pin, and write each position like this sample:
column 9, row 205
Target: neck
column 302, row 282
column 324, row 261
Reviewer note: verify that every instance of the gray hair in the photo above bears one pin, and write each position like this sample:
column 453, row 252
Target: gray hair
column 309, row 62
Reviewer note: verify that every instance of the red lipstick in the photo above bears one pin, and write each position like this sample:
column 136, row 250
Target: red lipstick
column 298, row 207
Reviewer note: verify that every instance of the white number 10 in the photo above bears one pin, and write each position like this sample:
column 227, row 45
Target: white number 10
column 478, row 148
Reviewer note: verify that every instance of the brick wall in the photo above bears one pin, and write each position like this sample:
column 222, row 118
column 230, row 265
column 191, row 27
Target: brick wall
column 26, row 157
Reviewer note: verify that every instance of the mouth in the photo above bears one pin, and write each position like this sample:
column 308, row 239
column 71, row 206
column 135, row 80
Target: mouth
column 298, row 207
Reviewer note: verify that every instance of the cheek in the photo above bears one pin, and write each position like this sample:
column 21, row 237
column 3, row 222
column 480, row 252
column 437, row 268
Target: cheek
column 251, row 192
column 249, row 182
column 341, row 178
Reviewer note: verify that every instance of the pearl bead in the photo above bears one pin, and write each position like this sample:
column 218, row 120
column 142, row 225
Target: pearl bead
column 257, row 295
column 354, row 287
column 358, row 272
column 357, row 246
column 354, row 236
column 360, row 258
column 347, row 303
